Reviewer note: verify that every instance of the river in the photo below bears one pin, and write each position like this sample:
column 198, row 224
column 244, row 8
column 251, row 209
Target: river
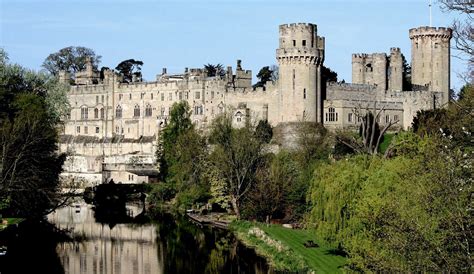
column 128, row 242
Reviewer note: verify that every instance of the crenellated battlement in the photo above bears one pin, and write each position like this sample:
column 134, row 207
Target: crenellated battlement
column 298, row 27
column 395, row 51
column 441, row 32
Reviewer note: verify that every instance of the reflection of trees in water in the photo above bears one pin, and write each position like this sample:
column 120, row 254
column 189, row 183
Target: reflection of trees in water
column 32, row 248
column 187, row 248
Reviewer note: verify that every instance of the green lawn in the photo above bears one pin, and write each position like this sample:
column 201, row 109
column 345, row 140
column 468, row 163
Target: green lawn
column 319, row 259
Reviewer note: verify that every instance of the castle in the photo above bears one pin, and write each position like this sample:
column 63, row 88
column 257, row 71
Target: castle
column 113, row 127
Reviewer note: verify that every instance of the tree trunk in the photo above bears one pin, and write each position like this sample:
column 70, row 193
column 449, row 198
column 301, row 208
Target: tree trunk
column 235, row 206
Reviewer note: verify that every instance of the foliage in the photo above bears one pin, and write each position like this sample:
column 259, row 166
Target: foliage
column 328, row 75
column 29, row 163
column 462, row 28
column 274, row 182
column 405, row 214
column 130, row 68
column 70, row 59
column 236, row 155
column 214, row 70
column 264, row 75
column 313, row 142
column 264, row 131
column 429, row 122
column 183, row 159
column 406, row 76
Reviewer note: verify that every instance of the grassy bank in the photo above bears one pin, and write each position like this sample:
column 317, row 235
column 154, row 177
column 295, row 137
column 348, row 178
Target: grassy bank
column 286, row 251
column 9, row 221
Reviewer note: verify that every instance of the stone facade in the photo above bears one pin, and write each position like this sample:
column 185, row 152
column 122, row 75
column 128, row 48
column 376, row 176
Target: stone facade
column 113, row 127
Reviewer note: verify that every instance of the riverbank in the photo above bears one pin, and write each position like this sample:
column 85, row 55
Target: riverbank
column 286, row 249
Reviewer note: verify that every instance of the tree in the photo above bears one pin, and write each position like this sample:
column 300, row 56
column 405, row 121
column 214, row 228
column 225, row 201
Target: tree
column 29, row 162
column 129, row 69
column 406, row 75
column 328, row 75
column 462, row 28
column 237, row 154
column 264, row 75
column 70, row 59
column 264, row 131
column 214, row 70
column 370, row 133
column 275, row 180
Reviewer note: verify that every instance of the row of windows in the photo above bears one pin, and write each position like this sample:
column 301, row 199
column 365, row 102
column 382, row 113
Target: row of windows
column 86, row 129
column 303, row 43
column 85, row 113
column 181, row 95
column 136, row 111
column 332, row 116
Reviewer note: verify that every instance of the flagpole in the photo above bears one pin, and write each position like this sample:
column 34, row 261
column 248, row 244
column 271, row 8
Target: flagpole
column 431, row 21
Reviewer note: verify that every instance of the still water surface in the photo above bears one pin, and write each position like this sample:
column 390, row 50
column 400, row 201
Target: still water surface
column 128, row 242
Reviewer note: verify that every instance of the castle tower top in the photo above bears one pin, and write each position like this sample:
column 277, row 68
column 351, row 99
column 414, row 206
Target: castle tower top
column 300, row 35
column 426, row 31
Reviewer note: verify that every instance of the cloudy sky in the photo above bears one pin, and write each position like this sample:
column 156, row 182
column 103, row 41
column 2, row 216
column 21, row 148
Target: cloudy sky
column 185, row 33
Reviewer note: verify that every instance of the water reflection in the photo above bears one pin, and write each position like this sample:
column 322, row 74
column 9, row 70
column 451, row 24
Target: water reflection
column 103, row 248
column 129, row 244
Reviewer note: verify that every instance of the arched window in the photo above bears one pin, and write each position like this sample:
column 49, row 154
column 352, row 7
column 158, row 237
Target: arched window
column 331, row 116
column 118, row 112
column 102, row 113
column 96, row 113
column 84, row 113
column 148, row 110
column 238, row 116
column 136, row 111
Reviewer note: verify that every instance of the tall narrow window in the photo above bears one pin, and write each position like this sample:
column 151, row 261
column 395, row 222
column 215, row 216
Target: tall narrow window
column 151, row 95
column 118, row 112
column 294, row 43
column 78, row 129
column 102, row 99
column 349, row 117
column 303, row 43
column 130, row 96
column 387, row 119
column 170, row 96
column 148, row 110
column 136, row 111
column 96, row 113
column 84, row 113
column 162, row 97
column 304, row 93
column 163, row 111
column 332, row 117
column 86, row 130
column 97, row 99
column 102, row 113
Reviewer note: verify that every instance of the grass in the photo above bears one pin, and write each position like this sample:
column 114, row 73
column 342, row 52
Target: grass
column 11, row 221
column 387, row 139
column 320, row 259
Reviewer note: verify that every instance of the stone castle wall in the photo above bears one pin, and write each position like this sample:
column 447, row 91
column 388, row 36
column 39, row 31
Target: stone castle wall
column 112, row 123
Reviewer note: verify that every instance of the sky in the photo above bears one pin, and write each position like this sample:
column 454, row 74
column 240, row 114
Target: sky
column 190, row 33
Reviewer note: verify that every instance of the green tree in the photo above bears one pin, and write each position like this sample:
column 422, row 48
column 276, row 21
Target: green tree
column 328, row 75
column 129, row 69
column 264, row 75
column 29, row 162
column 214, row 70
column 236, row 155
column 70, row 59
column 264, row 131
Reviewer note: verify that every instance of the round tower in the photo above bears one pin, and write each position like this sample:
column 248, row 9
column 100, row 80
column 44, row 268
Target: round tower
column 300, row 57
column 430, row 57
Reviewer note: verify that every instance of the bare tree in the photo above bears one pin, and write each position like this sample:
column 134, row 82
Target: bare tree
column 463, row 29
column 370, row 133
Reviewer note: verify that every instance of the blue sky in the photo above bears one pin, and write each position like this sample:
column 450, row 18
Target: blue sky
column 185, row 33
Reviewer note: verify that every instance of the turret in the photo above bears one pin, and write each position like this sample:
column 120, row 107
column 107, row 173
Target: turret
column 300, row 57
column 395, row 81
column 430, row 58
